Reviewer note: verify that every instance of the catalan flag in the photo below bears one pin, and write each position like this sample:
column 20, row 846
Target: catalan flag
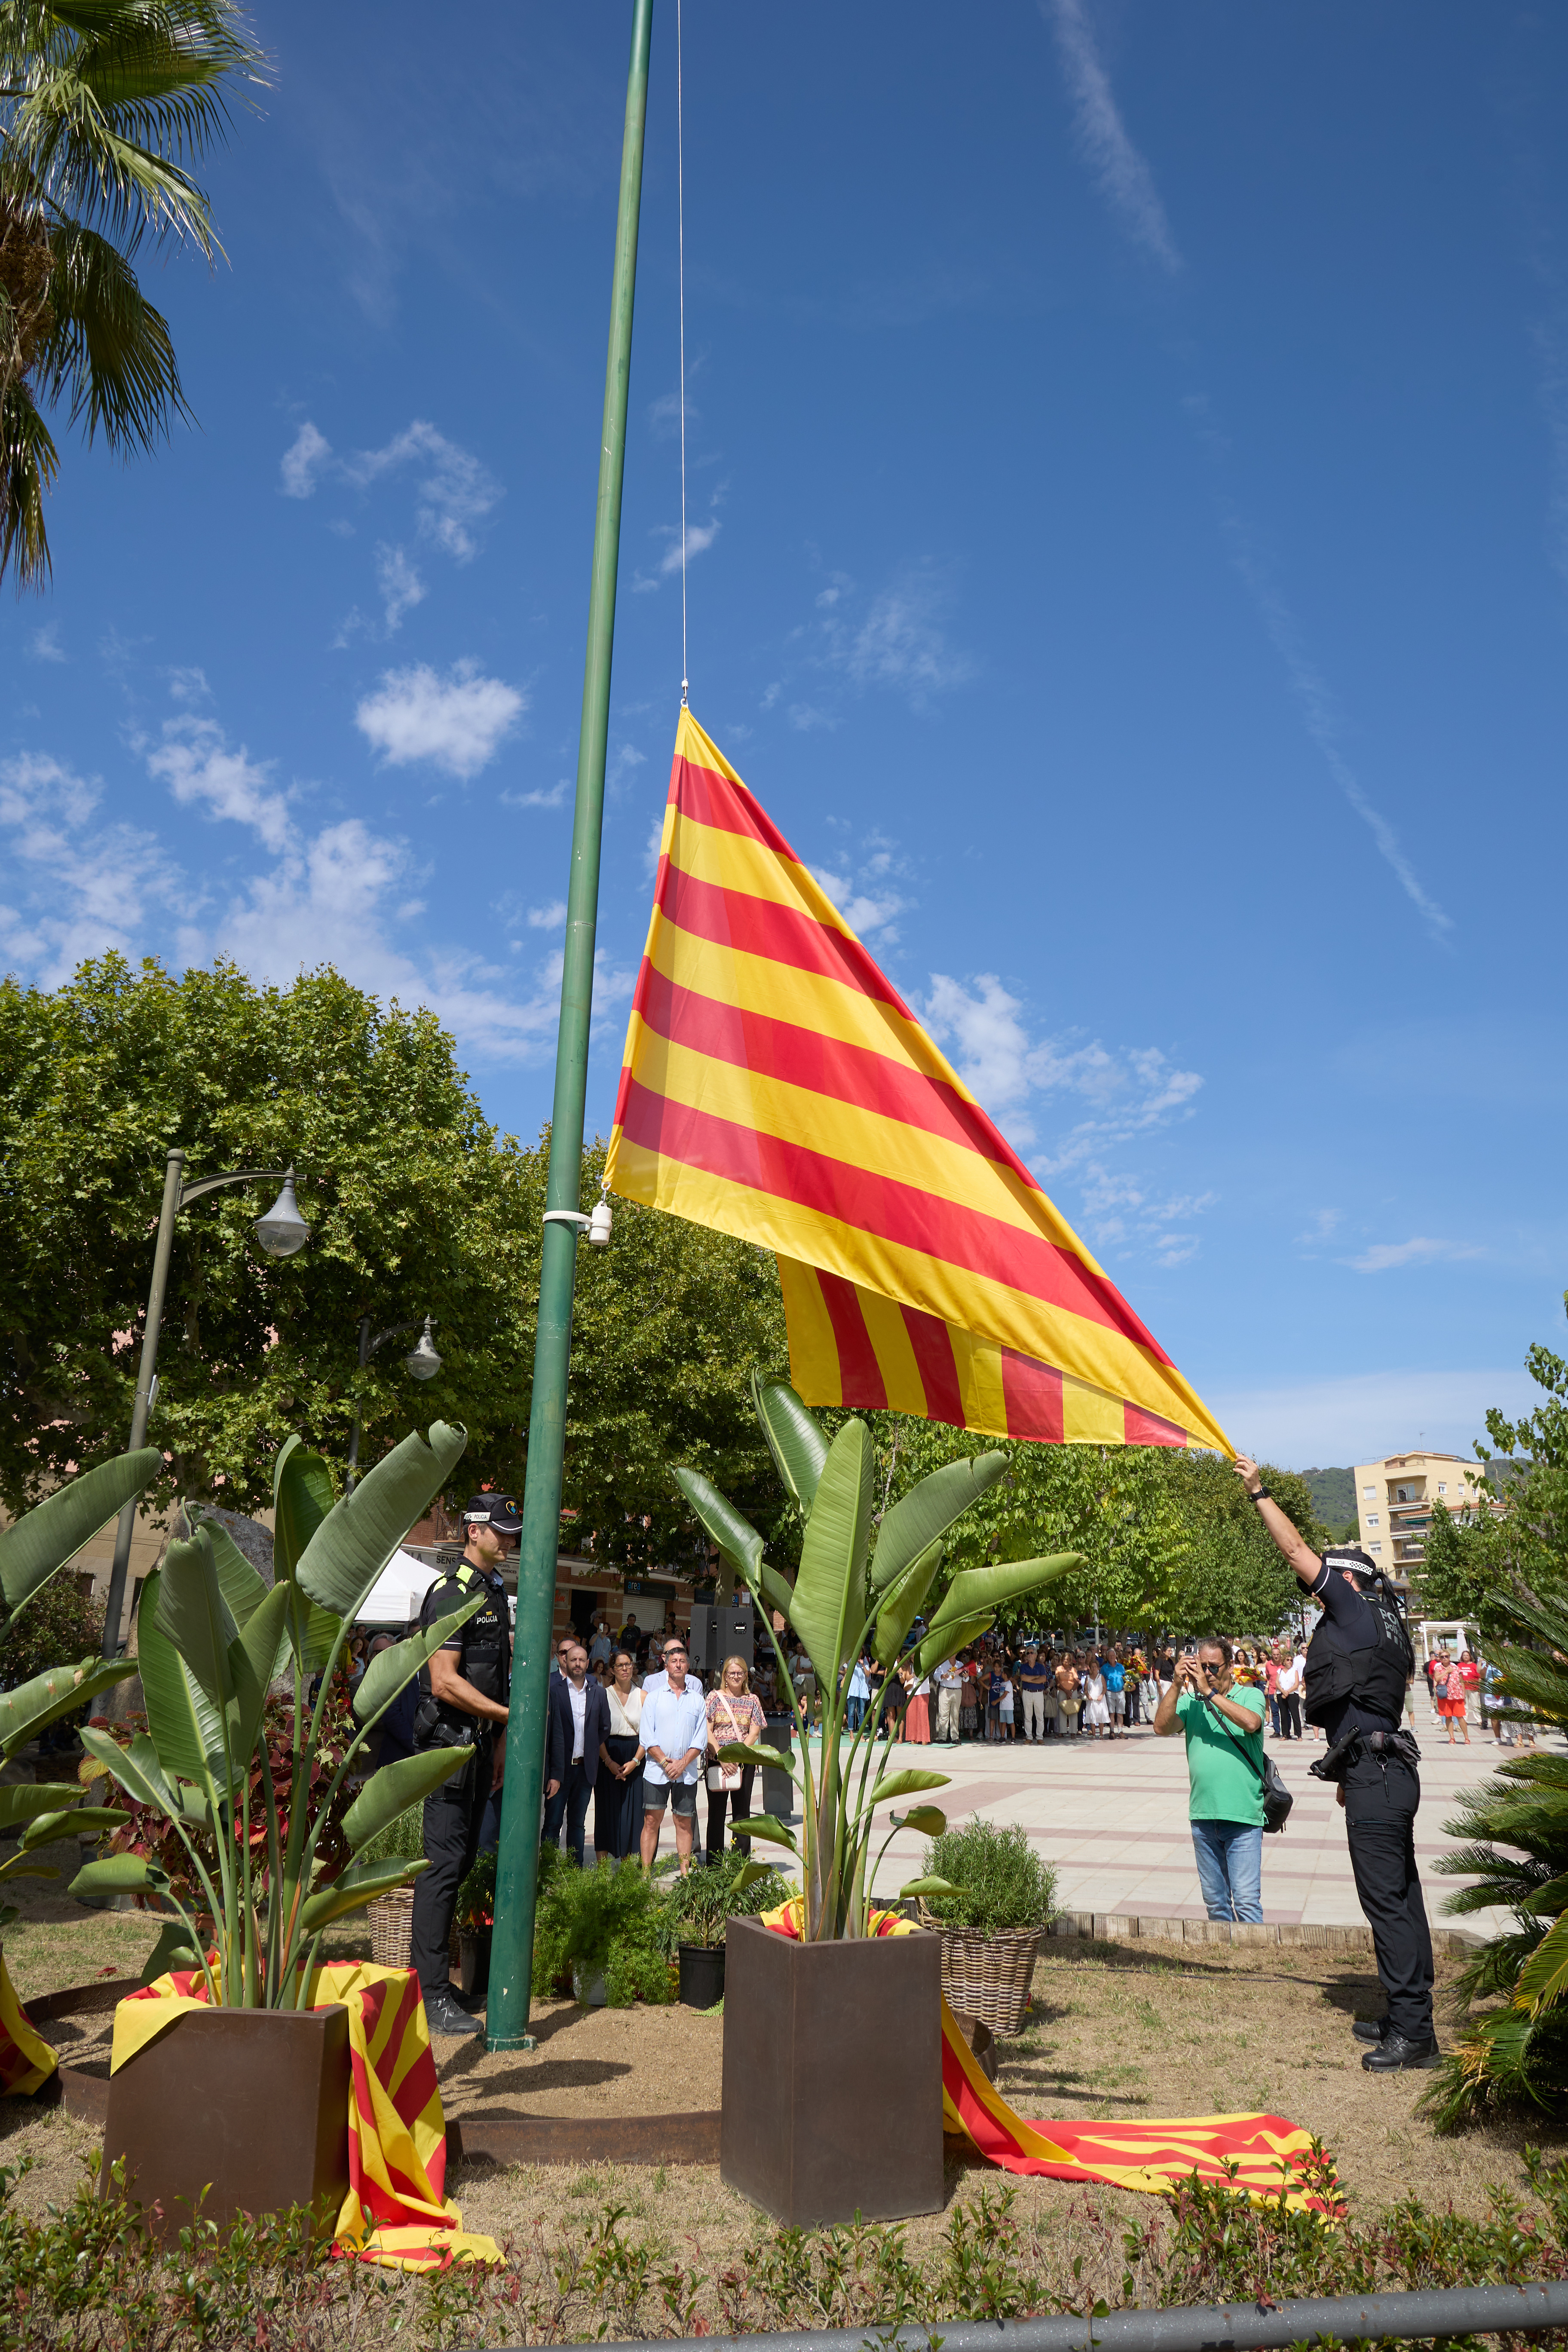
column 777, row 1087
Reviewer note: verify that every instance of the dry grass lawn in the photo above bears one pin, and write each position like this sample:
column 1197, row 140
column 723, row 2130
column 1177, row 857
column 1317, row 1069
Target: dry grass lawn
column 1138, row 2029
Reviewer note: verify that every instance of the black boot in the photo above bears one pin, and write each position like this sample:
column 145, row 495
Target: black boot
column 445, row 2018
column 1395, row 2051
column 1370, row 2028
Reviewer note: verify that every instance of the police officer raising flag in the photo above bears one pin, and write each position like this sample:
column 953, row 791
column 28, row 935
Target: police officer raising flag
column 1359, row 1664
column 463, row 1700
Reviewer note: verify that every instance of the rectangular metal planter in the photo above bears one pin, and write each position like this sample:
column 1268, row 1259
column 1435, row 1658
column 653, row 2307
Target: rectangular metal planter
column 249, row 2104
column 832, row 2099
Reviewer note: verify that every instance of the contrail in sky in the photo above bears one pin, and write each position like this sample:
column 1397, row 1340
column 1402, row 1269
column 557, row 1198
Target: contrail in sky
column 1128, row 186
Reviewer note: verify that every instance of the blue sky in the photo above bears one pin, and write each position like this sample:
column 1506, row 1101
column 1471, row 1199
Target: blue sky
column 1128, row 511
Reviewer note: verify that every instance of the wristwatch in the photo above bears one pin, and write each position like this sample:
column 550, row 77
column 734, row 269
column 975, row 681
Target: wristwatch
column 1261, row 1493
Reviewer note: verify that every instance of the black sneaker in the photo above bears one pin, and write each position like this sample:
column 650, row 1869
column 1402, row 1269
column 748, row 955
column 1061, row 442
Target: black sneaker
column 1370, row 2028
column 1395, row 2051
column 445, row 2018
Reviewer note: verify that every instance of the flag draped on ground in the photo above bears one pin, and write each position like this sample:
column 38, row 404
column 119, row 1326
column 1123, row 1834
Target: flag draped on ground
column 1255, row 2154
column 397, row 2211
column 26, row 2061
column 775, row 1085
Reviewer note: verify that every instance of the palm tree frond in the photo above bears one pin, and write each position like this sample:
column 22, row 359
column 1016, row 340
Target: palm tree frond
column 110, row 352
column 28, row 464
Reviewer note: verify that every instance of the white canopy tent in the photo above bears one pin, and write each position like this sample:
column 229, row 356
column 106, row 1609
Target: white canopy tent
column 394, row 1598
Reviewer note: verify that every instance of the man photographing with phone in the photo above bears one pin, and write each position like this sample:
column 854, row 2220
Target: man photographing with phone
column 1224, row 1729
column 1359, row 1664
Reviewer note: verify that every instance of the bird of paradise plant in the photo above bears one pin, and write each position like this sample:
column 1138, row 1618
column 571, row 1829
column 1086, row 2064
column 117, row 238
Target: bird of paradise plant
column 857, row 1583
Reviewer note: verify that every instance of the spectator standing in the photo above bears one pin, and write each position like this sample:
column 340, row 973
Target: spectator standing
column 1033, row 1679
column 917, row 1716
column 578, row 1725
column 1451, row 1705
column 1292, row 1676
column 949, row 1681
column 859, row 1695
column 1115, row 1674
column 617, row 1792
column 1271, row 1688
column 674, row 1736
column 1069, row 1693
column 1005, row 1710
column 735, row 1716
column 602, row 1648
column 1137, row 1675
column 1224, row 1730
column 969, row 1699
column 1096, row 1705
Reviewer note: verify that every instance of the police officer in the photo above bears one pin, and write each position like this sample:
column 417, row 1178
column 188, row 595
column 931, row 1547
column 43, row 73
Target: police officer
column 463, row 1700
column 1359, row 1664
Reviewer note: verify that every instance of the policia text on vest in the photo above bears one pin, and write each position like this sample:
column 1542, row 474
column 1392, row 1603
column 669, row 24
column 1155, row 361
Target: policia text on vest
column 1359, row 1665
column 463, row 1697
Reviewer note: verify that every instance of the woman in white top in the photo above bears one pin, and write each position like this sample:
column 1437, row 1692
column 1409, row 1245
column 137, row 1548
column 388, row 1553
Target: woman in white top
column 617, row 1790
column 1292, row 1673
column 1096, row 1702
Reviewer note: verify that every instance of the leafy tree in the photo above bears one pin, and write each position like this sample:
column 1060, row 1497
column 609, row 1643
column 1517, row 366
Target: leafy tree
column 417, row 1206
column 103, row 104
column 56, row 1623
column 1232, row 1580
column 1511, row 1545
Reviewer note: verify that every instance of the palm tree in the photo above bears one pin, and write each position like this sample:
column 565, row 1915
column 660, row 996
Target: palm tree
column 105, row 107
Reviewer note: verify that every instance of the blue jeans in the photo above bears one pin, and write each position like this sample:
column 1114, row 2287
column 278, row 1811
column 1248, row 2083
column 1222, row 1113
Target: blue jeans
column 1230, row 1868
column 854, row 1714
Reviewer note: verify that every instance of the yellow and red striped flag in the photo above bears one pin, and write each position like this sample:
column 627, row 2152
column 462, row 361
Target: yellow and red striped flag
column 777, row 1087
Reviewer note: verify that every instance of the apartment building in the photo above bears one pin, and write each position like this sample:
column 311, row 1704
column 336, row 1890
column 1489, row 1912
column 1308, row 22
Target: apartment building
column 1395, row 1498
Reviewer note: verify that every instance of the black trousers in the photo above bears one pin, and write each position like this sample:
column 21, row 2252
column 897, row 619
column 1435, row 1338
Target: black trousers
column 1381, row 1803
column 569, row 1804
column 1291, row 1715
column 718, row 1799
column 453, row 1816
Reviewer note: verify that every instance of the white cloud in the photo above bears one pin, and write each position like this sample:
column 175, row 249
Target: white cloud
column 664, row 416
column 1324, row 1225
column 1124, row 178
column 900, row 643
column 455, row 495
column 1118, row 1209
column 400, row 584
column 301, row 465
column 699, row 538
column 653, row 845
column 1417, row 1251
column 625, row 761
column 1363, row 1416
column 83, row 887
column 554, row 798
column 547, row 919
column 196, row 762
column 45, row 646
column 458, row 723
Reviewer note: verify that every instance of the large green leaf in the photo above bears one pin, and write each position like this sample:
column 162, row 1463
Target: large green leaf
column 351, row 1548
column 928, row 1511
column 137, row 1769
column 905, row 1784
column 187, row 1727
column 118, row 1873
column 43, row 1539
column 946, row 1641
column 193, row 1617
column 29, row 1799
column 353, row 1889
column 256, row 1657
column 770, row 1831
column 27, row 1710
column 925, row 1886
column 390, row 1669
column 242, row 1588
column 733, row 1533
column 71, row 1821
column 974, row 1589
column 926, row 1820
column 796, row 1440
column 832, row 1580
column 302, row 1496
column 894, row 1619
column 171, row 1950
column 397, row 1786
column 1543, row 1979
column 735, row 1751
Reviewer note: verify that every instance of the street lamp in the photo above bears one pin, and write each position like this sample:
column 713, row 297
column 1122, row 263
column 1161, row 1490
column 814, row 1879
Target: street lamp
column 421, row 1360
column 280, row 1233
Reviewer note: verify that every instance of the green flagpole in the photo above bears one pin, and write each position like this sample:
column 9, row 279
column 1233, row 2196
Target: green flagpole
column 516, row 1870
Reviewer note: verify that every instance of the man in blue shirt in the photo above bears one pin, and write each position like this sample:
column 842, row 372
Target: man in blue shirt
column 673, row 1730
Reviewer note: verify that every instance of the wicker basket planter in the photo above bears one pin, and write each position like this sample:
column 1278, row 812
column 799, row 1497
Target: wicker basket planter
column 987, row 1976
column 391, row 1928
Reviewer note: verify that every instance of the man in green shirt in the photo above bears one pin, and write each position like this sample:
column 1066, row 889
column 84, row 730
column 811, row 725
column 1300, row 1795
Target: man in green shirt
column 1223, row 1728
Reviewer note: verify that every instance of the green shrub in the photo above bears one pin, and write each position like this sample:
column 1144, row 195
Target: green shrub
column 696, row 1908
column 1000, row 1880
column 476, row 1905
column 605, row 1921
column 402, row 1840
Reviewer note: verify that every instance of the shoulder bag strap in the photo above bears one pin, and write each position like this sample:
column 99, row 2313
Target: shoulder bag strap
column 1230, row 1727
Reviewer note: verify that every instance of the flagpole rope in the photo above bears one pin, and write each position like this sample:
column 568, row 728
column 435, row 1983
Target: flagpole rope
column 681, row 240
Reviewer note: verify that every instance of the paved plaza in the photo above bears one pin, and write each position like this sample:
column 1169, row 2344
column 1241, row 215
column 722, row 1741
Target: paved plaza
column 1111, row 1817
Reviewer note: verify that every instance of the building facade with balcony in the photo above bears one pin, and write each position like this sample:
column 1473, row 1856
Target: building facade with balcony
column 1396, row 1496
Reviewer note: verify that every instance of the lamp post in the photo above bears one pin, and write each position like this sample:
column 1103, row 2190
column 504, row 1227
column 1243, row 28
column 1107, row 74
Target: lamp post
column 280, row 1233
column 421, row 1360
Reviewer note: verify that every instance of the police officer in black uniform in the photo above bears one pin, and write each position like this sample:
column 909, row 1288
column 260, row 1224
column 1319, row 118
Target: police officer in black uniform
column 464, row 1692
column 1359, row 1664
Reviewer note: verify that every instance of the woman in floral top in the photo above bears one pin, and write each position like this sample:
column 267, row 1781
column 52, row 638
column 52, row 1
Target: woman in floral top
column 733, row 1714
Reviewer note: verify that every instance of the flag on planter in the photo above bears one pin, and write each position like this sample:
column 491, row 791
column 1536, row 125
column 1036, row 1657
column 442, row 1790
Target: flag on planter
column 777, row 1087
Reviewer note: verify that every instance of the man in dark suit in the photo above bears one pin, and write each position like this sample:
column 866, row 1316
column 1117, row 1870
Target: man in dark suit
column 579, row 1720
